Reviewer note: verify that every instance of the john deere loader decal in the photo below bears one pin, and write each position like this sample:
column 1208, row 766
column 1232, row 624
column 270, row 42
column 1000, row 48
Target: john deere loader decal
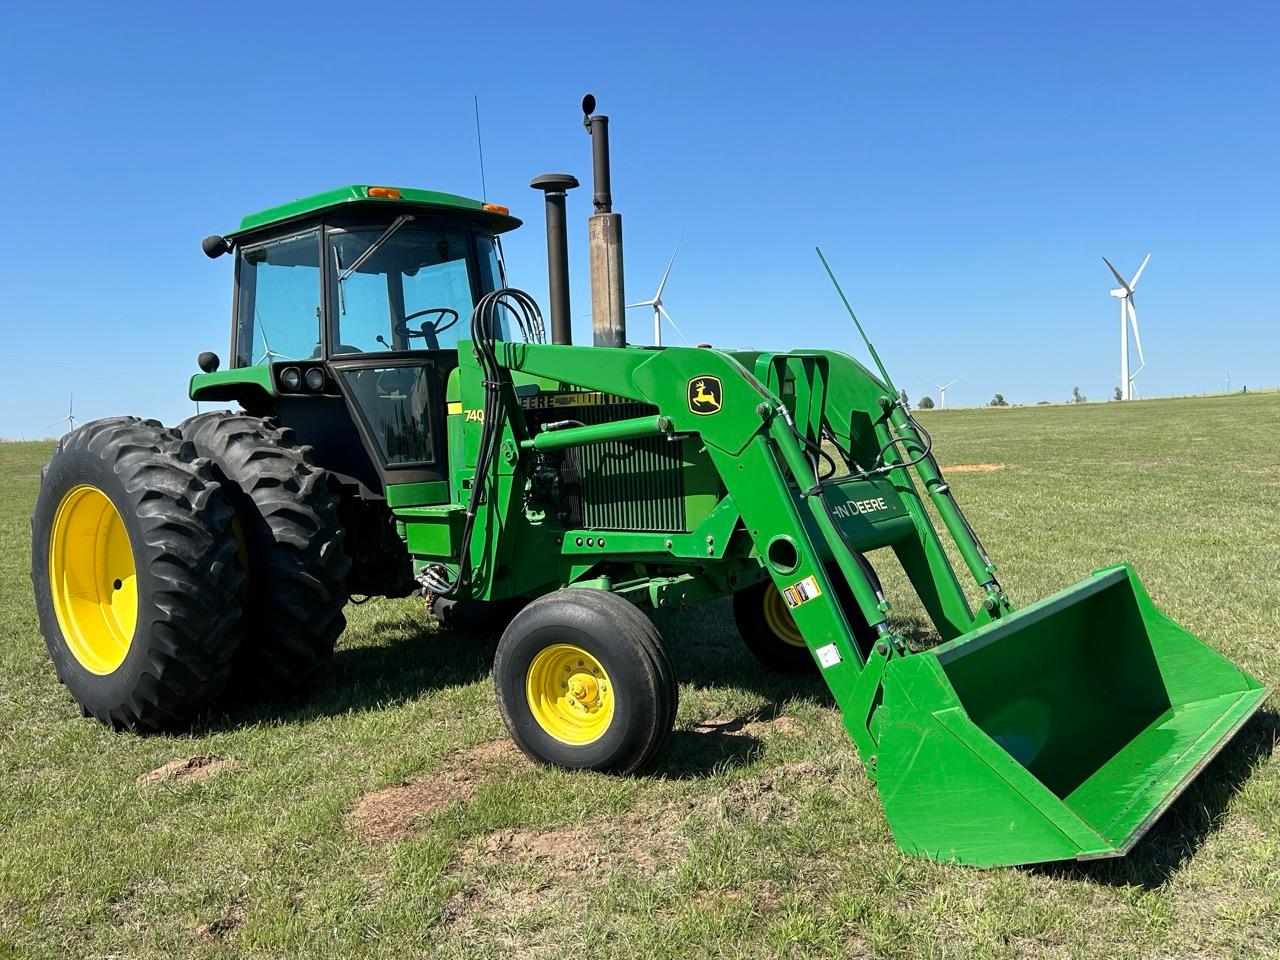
column 705, row 394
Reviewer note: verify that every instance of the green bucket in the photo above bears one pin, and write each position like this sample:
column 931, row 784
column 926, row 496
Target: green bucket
column 1061, row 731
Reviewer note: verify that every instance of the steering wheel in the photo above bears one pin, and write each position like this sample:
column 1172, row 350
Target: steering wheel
column 430, row 330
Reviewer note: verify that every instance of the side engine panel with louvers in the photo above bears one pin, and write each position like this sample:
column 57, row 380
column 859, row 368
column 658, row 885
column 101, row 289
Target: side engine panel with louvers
column 622, row 484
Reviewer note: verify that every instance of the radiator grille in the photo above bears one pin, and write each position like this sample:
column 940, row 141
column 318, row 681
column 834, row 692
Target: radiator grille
column 622, row 484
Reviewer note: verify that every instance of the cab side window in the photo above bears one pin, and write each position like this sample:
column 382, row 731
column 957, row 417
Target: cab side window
column 278, row 303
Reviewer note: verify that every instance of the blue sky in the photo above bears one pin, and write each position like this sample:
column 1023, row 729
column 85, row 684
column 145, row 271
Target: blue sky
column 963, row 166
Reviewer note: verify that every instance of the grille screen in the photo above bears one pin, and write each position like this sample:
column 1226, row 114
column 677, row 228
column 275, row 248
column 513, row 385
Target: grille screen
column 622, row 484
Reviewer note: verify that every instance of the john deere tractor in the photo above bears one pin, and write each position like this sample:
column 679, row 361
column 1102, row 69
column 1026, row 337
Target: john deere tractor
column 402, row 425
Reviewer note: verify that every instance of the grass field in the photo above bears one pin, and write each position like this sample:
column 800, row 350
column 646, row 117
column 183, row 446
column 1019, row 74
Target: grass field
column 383, row 815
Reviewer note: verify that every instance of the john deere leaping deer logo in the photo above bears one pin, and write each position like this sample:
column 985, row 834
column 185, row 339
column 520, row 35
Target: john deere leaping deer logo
column 705, row 394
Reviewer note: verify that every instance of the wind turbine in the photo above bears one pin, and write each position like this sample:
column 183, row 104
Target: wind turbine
column 1128, row 316
column 942, row 391
column 659, row 311
column 70, row 418
column 269, row 355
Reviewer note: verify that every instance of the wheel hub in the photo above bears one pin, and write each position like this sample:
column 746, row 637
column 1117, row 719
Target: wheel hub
column 569, row 694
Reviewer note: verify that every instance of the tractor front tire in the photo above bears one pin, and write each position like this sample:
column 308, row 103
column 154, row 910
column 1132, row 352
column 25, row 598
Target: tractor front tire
column 290, row 541
column 584, row 681
column 133, row 564
column 769, row 631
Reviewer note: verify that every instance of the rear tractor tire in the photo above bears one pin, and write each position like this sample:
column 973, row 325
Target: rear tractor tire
column 133, row 564
column 290, row 543
column 584, row 681
column 769, row 631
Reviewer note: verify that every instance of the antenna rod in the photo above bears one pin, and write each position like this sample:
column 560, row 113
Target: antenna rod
column 484, row 191
column 865, row 339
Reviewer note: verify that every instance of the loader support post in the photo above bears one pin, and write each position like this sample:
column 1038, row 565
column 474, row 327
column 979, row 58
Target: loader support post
column 871, row 606
column 772, row 515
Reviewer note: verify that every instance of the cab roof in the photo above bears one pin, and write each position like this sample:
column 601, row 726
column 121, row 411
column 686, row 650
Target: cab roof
column 494, row 215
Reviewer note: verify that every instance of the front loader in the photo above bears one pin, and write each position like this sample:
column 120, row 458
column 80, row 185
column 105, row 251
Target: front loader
column 404, row 427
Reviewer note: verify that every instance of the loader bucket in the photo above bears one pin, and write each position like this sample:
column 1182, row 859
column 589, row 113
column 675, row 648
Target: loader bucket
column 1060, row 731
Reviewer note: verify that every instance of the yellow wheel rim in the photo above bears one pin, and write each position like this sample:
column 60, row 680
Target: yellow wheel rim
column 92, row 579
column 778, row 618
column 569, row 694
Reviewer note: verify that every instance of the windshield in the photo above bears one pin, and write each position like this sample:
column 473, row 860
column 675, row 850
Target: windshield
column 279, row 300
column 405, row 287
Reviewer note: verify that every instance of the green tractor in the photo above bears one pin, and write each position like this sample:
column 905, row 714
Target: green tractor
column 404, row 427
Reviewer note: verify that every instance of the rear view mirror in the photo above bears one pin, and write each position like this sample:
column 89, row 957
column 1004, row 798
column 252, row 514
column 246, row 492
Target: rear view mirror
column 215, row 246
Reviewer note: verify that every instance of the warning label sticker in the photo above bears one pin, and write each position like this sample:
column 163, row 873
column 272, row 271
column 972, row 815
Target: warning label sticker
column 802, row 591
column 829, row 655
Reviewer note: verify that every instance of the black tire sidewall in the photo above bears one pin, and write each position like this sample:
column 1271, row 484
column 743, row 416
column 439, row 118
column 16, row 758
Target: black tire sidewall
column 634, row 679
column 295, row 594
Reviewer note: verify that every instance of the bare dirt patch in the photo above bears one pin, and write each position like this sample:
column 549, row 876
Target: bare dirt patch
column 562, row 852
column 231, row 918
column 562, row 857
column 491, row 751
column 199, row 769
column 650, row 843
column 974, row 468
column 392, row 813
column 646, row 844
column 774, row 795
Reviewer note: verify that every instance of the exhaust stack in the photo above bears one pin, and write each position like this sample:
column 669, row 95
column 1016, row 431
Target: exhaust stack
column 556, row 186
column 604, row 238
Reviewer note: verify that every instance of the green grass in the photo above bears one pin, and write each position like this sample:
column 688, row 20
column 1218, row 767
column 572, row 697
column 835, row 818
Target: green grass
column 756, row 837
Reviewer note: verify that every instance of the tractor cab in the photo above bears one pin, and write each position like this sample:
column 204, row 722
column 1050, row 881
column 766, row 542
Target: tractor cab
column 347, row 311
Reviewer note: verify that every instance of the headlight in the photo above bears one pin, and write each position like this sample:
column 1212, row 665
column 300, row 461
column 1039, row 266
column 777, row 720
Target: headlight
column 291, row 378
column 315, row 379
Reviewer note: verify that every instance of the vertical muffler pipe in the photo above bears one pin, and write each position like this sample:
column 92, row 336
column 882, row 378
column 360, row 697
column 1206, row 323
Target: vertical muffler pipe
column 556, row 187
column 604, row 238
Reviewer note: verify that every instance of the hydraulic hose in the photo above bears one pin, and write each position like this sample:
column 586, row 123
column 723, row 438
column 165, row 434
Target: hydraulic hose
column 485, row 334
